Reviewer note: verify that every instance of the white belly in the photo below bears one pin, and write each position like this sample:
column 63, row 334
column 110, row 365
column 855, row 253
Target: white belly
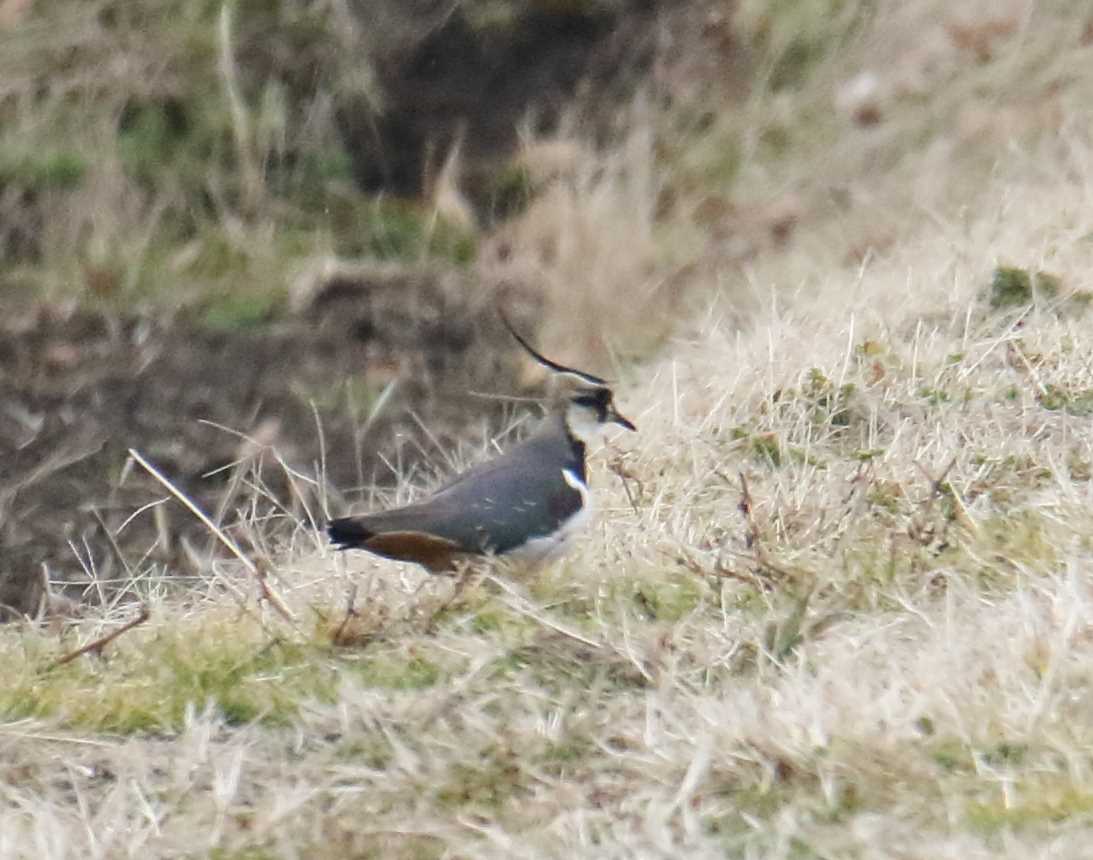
column 543, row 549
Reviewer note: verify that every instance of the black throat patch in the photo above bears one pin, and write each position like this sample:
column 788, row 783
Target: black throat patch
column 577, row 449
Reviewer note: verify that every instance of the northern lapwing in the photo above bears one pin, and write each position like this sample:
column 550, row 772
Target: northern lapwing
column 524, row 504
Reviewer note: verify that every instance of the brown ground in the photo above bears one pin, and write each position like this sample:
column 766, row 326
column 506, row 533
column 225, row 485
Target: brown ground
column 78, row 389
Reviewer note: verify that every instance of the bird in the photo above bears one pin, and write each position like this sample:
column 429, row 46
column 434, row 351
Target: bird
column 525, row 504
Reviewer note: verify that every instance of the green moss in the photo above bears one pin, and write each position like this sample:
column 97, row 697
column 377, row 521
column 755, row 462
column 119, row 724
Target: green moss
column 1014, row 287
column 481, row 610
column 1010, row 287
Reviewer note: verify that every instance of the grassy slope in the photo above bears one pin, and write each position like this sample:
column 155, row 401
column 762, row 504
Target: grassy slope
column 890, row 656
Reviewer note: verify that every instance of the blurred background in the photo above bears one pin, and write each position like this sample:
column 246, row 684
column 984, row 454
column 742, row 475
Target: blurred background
column 233, row 228
column 262, row 242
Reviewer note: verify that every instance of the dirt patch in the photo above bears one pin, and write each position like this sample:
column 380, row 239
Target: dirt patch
column 77, row 390
column 478, row 78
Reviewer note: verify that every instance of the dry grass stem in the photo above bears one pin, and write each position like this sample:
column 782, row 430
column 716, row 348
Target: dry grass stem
column 259, row 572
column 96, row 647
column 837, row 603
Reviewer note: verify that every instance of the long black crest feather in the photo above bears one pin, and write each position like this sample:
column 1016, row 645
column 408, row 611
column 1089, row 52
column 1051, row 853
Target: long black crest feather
column 546, row 362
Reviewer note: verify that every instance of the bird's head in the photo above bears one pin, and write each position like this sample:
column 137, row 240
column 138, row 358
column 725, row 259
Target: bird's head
column 590, row 410
column 589, row 401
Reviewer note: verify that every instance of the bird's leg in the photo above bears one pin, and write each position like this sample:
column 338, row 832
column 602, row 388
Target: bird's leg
column 465, row 570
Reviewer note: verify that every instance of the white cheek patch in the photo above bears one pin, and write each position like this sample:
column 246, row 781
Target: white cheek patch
column 584, row 424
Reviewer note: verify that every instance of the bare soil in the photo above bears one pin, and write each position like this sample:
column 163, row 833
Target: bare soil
column 80, row 388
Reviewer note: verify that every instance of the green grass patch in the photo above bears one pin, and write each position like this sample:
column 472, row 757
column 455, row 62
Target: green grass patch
column 762, row 793
column 567, row 755
column 496, row 777
column 1072, row 401
column 795, row 36
column 1021, row 539
column 243, row 309
column 667, row 597
column 146, row 683
column 766, row 447
column 48, row 170
column 829, row 404
column 934, row 396
column 397, row 671
column 372, row 749
column 557, row 664
column 1037, row 807
column 1014, row 287
column 250, row 853
column 772, row 450
column 510, row 191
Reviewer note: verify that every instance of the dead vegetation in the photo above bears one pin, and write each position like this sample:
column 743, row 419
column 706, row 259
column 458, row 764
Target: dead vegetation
column 278, row 410
column 196, row 267
column 836, row 604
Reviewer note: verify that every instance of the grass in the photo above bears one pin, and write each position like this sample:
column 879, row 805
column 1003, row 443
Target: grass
column 840, row 608
column 200, row 164
column 151, row 685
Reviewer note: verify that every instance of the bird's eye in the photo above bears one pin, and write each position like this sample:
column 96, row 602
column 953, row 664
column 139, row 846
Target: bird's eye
column 599, row 398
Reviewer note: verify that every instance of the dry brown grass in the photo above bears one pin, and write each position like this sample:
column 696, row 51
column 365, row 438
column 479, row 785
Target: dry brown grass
column 885, row 653
column 592, row 243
